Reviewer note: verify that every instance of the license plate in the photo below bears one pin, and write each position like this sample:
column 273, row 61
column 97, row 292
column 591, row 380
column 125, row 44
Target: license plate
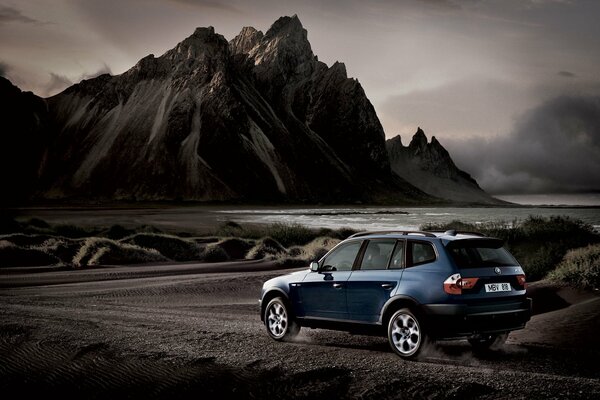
column 497, row 287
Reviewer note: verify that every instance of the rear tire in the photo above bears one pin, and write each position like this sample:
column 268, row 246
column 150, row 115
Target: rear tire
column 488, row 342
column 279, row 320
column 406, row 334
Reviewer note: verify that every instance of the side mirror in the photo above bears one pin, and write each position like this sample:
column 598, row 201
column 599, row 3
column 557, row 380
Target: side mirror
column 314, row 266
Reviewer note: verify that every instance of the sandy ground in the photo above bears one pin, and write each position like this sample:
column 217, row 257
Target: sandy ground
column 193, row 330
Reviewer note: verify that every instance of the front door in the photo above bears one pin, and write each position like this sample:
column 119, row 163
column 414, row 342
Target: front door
column 323, row 293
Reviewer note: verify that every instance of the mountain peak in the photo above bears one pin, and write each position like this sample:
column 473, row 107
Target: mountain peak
column 204, row 43
column 287, row 25
column 202, row 32
column 245, row 41
column 419, row 140
column 284, row 51
column 289, row 32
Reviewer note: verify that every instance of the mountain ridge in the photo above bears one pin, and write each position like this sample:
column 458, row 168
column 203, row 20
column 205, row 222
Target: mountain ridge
column 428, row 166
column 255, row 119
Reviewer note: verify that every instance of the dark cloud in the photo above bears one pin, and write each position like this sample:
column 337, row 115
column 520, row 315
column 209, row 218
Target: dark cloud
column 554, row 148
column 10, row 14
column 57, row 84
column 566, row 74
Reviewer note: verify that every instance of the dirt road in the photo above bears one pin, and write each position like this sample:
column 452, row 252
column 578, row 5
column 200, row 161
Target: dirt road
column 193, row 330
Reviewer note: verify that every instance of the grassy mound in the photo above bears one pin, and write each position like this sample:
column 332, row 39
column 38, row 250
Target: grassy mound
column 62, row 248
column 214, row 253
column 170, row 246
column 266, row 248
column 539, row 244
column 24, row 240
column 579, row 268
column 102, row 251
column 12, row 255
column 236, row 248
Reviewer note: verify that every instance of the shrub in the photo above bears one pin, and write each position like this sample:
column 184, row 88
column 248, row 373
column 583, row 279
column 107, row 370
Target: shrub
column 98, row 251
column 291, row 234
column 313, row 250
column 579, row 268
column 286, row 234
column 341, row 233
column 538, row 243
column 170, row 246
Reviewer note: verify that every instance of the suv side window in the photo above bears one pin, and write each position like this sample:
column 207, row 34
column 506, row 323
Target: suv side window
column 398, row 256
column 342, row 258
column 421, row 252
column 377, row 254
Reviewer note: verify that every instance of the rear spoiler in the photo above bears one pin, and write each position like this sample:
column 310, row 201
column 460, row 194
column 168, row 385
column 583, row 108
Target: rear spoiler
column 493, row 243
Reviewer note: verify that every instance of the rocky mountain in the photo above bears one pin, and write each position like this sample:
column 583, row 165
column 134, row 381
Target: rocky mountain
column 257, row 118
column 23, row 139
column 429, row 167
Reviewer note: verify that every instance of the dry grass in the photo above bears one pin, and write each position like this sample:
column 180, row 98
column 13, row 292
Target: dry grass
column 172, row 247
column 102, row 251
column 579, row 268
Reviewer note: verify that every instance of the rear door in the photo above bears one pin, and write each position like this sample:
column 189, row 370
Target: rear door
column 373, row 281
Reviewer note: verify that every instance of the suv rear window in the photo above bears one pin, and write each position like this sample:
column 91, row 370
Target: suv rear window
column 480, row 254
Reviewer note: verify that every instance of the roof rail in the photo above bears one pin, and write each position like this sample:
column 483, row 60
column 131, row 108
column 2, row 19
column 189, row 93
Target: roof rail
column 366, row 233
column 453, row 232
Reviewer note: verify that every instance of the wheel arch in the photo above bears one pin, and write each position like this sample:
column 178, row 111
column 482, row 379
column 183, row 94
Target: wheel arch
column 396, row 303
column 269, row 295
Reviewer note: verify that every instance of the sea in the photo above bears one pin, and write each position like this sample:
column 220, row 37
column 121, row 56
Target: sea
column 205, row 218
column 584, row 207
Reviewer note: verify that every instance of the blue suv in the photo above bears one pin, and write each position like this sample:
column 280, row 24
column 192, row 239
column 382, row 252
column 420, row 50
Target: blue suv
column 409, row 286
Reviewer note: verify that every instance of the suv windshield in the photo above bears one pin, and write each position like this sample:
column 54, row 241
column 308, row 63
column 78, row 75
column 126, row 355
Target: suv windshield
column 480, row 253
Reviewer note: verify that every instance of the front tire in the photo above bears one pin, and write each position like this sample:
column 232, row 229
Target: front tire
column 279, row 321
column 405, row 334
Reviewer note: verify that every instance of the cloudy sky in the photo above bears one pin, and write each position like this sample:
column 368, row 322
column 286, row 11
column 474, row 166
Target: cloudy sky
column 510, row 87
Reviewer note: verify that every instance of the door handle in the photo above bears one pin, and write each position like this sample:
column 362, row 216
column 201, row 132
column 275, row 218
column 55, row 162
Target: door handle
column 337, row 285
column 387, row 286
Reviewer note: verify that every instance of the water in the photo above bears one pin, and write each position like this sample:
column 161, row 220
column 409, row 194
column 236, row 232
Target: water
column 206, row 218
column 408, row 218
column 570, row 199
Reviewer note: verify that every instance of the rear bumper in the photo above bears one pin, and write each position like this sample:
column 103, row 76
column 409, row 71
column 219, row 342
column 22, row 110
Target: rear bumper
column 460, row 320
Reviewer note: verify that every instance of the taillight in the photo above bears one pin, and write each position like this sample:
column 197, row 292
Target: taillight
column 455, row 284
column 522, row 281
